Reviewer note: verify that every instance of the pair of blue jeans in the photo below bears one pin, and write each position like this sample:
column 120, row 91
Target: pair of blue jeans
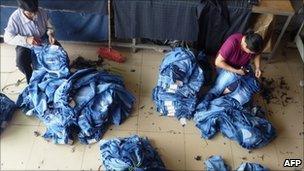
column 216, row 163
column 130, row 153
column 223, row 80
column 227, row 115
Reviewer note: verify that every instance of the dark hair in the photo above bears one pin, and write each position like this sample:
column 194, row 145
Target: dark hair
column 28, row 5
column 254, row 41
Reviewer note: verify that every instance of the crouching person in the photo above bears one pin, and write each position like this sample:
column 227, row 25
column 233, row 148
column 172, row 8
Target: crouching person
column 27, row 27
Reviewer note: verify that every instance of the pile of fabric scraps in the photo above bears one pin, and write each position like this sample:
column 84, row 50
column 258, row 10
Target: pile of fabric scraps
column 82, row 63
column 7, row 110
column 228, row 115
column 180, row 79
column 276, row 91
column 216, row 163
column 130, row 153
column 83, row 103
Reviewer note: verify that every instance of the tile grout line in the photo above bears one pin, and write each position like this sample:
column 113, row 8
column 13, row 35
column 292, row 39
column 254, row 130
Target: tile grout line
column 161, row 132
column 34, row 142
column 277, row 156
column 185, row 156
column 232, row 154
column 140, row 89
column 85, row 148
column 18, row 124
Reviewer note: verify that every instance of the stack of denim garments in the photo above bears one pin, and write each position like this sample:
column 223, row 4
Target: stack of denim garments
column 82, row 103
column 216, row 163
column 179, row 81
column 7, row 110
column 131, row 153
column 227, row 114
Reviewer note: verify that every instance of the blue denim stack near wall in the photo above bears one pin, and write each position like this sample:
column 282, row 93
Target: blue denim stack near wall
column 131, row 153
column 7, row 110
column 179, row 81
column 85, row 102
column 227, row 115
column 216, row 163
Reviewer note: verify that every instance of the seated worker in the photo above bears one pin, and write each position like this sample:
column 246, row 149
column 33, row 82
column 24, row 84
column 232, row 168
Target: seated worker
column 233, row 60
column 238, row 50
column 27, row 27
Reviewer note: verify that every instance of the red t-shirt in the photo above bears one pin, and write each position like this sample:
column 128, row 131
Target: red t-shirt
column 232, row 52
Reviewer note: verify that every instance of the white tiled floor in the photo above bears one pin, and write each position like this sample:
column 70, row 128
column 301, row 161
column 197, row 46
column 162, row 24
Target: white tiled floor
column 177, row 145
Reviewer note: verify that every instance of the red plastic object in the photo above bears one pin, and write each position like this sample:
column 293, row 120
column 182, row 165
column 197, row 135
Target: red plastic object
column 111, row 54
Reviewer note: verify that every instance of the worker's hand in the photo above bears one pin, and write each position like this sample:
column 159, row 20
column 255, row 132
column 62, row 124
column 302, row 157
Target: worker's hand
column 33, row 41
column 240, row 72
column 258, row 73
column 52, row 40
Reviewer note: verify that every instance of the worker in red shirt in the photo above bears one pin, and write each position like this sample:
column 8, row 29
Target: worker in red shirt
column 232, row 63
column 237, row 51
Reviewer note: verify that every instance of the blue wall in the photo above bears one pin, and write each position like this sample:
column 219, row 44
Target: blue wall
column 72, row 23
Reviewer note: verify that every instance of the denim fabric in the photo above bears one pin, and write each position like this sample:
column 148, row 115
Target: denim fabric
column 130, row 153
column 100, row 99
column 173, row 104
column 179, row 68
column 252, row 167
column 51, row 58
column 246, row 88
column 223, row 80
column 85, row 102
column 227, row 114
column 216, row 163
column 180, row 79
column 6, row 111
column 156, row 19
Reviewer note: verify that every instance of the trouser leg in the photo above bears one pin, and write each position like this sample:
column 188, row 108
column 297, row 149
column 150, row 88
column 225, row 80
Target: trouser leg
column 24, row 61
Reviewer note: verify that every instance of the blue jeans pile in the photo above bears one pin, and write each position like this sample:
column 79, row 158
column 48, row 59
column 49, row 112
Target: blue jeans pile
column 131, row 153
column 7, row 110
column 227, row 115
column 180, row 79
column 84, row 102
column 223, row 80
column 216, row 163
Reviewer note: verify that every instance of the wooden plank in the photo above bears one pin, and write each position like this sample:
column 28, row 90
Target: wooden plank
column 276, row 7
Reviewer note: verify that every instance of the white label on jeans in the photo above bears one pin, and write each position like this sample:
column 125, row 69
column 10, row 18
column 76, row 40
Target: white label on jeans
column 171, row 110
column 246, row 133
column 91, row 141
column 170, row 114
column 168, row 103
column 179, row 83
column 170, row 91
column 173, row 87
column 30, row 112
column 183, row 121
